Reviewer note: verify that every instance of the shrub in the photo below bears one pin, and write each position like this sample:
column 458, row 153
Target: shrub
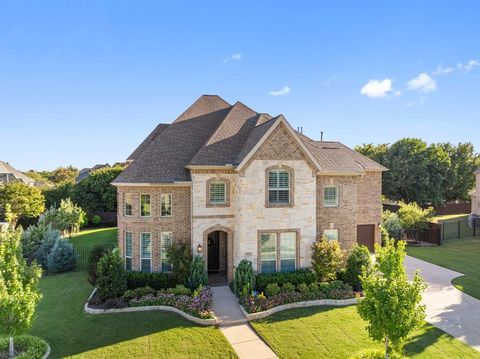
column 297, row 277
column 96, row 220
column 137, row 293
column 179, row 290
column 32, row 239
column 96, row 253
column 26, row 347
column 179, row 254
column 156, row 281
column 111, row 279
column 61, row 258
column 327, row 259
column 244, row 281
column 287, row 287
column 303, row 288
column 314, row 288
column 272, row 289
column 68, row 218
column 52, row 236
column 358, row 258
column 198, row 273
column 391, row 223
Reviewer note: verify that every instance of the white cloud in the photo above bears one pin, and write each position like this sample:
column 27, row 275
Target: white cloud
column 377, row 88
column 282, row 92
column 234, row 57
column 422, row 82
column 440, row 70
column 470, row 65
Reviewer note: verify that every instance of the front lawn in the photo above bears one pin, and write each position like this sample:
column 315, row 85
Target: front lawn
column 72, row 333
column 329, row 332
column 91, row 237
column 461, row 255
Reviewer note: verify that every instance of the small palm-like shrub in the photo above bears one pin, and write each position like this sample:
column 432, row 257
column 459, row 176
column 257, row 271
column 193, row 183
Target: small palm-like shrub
column 244, row 281
column 198, row 273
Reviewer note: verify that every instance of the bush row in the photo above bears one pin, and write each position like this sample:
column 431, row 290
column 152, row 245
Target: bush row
column 280, row 278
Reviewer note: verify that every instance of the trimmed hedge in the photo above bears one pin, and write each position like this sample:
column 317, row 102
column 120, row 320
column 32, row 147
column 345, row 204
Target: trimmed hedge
column 280, row 278
column 155, row 281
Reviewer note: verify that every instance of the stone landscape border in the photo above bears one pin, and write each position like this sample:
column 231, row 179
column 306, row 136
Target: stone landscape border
column 308, row 303
column 47, row 353
column 149, row 308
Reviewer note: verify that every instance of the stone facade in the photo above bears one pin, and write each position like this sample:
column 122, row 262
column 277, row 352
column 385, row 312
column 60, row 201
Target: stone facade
column 179, row 223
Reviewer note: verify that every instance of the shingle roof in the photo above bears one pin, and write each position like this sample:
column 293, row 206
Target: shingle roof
column 6, row 168
column 212, row 132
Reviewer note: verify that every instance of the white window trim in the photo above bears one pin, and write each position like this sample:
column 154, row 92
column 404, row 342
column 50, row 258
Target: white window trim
column 224, row 192
column 125, row 206
column 161, row 248
column 151, row 247
column 332, row 229
column 140, row 204
column 131, row 256
column 289, row 188
column 337, row 202
column 171, row 204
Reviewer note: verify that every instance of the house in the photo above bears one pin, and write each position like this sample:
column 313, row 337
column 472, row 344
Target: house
column 9, row 174
column 475, row 194
column 85, row 172
column 239, row 184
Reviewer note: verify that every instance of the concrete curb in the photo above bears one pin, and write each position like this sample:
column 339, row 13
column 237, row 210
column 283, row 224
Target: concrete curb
column 47, row 353
column 149, row 308
column 308, row 303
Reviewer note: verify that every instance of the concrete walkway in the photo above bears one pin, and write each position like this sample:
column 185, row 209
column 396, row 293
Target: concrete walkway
column 448, row 308
column 235, row 327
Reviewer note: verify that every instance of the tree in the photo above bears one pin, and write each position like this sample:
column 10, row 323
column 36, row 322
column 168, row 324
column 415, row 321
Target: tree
column 377, row 153
column 327, row 259
column 54, row 195
column 19, row 293
column 392, row 303
column 95, row 193
column 111, row 277
column 179, row 255
column 68, row 218
column 391, row 223
column 24, row 201
column 413, row 218
column 64, row 175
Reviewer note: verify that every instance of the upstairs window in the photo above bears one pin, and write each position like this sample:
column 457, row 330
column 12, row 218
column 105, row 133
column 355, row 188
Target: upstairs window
column 330, row 196
column 217, row 192
column 279, row 187
column 127, row 204
column 166, row 241
column 166, row 205
column 145, row 208
column 146, row 252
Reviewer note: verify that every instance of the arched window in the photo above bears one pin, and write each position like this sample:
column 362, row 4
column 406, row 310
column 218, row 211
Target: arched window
column 279, row 182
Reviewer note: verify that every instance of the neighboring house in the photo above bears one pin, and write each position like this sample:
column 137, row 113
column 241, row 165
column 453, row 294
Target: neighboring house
column 238, row 184
column 85, row 172
column 475, row 194
column 9, row 174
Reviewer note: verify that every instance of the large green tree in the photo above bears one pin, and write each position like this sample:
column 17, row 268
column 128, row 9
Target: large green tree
column 63, row 174
column 392, row 303
column 22, row 201
column 95, row 193
column 19, row 293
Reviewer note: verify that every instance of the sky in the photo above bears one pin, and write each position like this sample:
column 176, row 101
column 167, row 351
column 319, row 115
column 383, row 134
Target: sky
column 84, row 82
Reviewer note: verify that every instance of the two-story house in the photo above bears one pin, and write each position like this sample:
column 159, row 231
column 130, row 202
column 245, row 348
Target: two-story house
column 240, row 184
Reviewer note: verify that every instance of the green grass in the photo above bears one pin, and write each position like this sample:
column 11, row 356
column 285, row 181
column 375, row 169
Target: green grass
column 92, row 237
column 72, row 333
column 449, row 217
column 461, row 255
column 328, row 332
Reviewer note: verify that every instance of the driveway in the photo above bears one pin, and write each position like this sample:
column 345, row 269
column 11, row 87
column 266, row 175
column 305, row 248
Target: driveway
column 448, row 308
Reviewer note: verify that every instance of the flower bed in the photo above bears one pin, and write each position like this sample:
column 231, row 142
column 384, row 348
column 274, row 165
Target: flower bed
column 26, row 347
column 288, row 293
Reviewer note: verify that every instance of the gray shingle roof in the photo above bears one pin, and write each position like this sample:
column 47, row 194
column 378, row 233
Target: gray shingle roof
column 214, row 133
column 6, row 168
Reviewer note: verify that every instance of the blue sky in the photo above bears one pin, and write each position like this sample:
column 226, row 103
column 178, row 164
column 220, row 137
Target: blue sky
column 83, row 82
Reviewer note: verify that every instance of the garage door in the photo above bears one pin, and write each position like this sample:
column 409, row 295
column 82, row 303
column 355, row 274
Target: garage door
column 366, row 235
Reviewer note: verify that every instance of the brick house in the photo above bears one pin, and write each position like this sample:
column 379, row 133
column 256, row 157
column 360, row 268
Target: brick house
column 475, row 194
column 240, row 184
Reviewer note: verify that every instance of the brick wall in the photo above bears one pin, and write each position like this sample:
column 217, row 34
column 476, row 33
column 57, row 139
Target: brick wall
column 179, row 223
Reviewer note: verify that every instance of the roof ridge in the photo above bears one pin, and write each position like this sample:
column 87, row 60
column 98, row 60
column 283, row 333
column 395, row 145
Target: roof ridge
column 197, row 101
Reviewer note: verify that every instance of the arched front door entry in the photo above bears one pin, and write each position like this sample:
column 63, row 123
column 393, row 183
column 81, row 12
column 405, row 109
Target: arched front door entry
column 218, row 255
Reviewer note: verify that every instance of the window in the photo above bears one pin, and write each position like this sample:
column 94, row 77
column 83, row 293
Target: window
column 279, row 187
column 330, row 196
column 166, row 240
column 217, row 192
column 268, row 252
column 145, row 205
column 278, row 252
column 127, row 204
column 331, row 234
column 288, row 251
column 145, row 252
column 128, row 250
column 166, row 205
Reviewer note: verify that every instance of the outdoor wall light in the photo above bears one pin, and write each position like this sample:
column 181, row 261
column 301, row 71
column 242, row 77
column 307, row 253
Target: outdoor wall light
column 199, row 248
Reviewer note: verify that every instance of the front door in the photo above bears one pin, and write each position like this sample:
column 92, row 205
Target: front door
column 214, row 251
